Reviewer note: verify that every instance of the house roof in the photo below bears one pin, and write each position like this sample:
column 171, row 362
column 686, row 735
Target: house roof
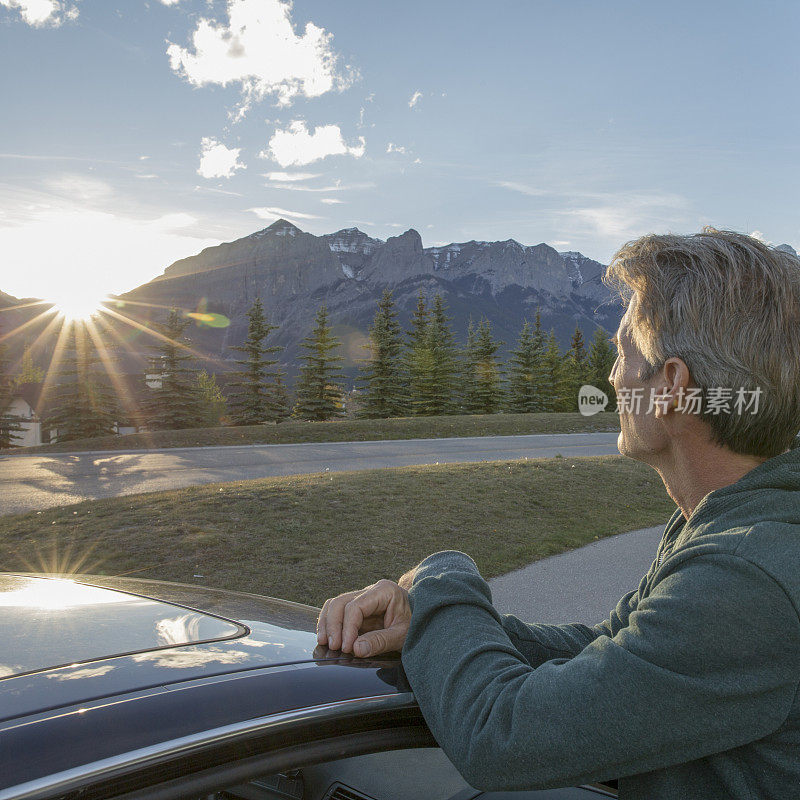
column 29, row 392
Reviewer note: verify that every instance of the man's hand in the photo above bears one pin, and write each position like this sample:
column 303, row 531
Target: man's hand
column 368, row 622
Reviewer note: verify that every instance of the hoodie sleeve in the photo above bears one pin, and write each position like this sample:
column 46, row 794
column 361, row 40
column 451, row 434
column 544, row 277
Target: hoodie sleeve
column 709, row 661
column 538, row 642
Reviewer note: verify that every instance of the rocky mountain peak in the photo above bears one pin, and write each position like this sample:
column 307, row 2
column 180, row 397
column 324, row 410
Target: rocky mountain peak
column 281, row 227
column 787, row 248
column 586, row 275
column 409, row 239
column 399, row 258
column 351, row 240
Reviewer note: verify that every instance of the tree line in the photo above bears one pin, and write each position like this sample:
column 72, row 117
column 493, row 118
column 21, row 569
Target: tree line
column 424, row 372
column 419, row 372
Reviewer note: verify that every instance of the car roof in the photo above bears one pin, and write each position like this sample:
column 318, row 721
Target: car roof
column 254, row 632
column 82, row 711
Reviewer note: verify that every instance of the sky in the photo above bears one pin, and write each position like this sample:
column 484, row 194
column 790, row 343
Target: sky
column 138, row 132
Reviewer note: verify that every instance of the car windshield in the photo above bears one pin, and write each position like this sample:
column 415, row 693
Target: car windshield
column 59, row 621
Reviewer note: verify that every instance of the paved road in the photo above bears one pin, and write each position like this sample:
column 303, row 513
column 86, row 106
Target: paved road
column 38, row 481
column 580, row 586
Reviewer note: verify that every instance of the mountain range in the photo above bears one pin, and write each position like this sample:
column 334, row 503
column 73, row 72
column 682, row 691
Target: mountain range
column 294, row 272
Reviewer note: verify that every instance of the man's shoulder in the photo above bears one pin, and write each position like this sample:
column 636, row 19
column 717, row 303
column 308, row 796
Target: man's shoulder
column 765, row 542
column 771, row 546
column 774, row 547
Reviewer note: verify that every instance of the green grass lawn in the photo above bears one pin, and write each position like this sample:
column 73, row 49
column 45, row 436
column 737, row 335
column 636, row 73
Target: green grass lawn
column 348, row 430
column 308, row 537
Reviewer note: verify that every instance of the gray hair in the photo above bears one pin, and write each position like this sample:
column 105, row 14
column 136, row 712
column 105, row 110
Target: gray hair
column 728, row 305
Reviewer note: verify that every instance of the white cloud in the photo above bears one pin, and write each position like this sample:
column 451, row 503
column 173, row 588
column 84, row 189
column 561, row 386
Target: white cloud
column 148, row 176
column 214, row 190
column 396, row 148
column 337, row 187
column 277, row 213
column 170, row 2
column 379, row 224
column 522, row 188
column 627, row 215
column 760, row 236
column 297, row 146
column 259, row 50
column 42, row 12
column 216, row 160
column 51, row 250
column 414, row 99
column 74, row 186
column 290, row 177
column 331, row 201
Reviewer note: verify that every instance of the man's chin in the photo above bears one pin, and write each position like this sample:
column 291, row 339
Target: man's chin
column 626, row 448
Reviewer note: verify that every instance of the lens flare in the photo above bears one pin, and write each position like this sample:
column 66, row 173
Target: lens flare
column 206, row 318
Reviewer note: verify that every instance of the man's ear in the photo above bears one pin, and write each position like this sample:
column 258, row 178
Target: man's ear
column 676, row 380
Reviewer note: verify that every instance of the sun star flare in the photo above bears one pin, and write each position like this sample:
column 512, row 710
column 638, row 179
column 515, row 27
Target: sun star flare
column 78, row 305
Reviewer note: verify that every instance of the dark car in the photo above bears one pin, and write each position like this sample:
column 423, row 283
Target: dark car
column 113, row 687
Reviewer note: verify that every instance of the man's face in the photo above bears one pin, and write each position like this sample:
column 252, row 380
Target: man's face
column 640, row 434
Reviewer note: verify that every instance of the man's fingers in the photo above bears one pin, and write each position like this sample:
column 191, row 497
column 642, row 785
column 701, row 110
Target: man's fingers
column 372, row 603
column 334, row 613
column 343, row 618
column 333, row 622
column 351, row 623
column 322, row 633
column 388, row 640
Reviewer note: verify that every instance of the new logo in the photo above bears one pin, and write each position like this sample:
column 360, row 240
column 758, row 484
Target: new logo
column 591, row 400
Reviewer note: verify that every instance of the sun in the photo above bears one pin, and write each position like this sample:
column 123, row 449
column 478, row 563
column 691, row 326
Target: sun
column 78, row 305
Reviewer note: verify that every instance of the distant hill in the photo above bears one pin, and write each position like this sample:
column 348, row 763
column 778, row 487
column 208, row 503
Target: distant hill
column 294, row 272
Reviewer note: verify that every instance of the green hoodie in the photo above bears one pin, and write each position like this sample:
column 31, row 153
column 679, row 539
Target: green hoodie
column 688, row 690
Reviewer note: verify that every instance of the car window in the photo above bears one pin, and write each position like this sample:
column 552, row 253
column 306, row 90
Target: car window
column 64, row 622
column 395, row 775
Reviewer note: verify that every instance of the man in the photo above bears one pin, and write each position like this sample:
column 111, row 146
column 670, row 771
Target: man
column 690, row 688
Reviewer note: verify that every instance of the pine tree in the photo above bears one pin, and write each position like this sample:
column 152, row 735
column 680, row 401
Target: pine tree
column 419, row 362
column 29, row 371
column 575, row 372
column 281, row 397
column 525, row 376
column 175, row 402
column 10, row 424
column 83, row 405
column 441, row 385
column 384, row 376
column 259, row 392
column 483, row 388
column 319, row 396
column 600, row 363
column 212, row 403
column 552, row 375
column 468, row 369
